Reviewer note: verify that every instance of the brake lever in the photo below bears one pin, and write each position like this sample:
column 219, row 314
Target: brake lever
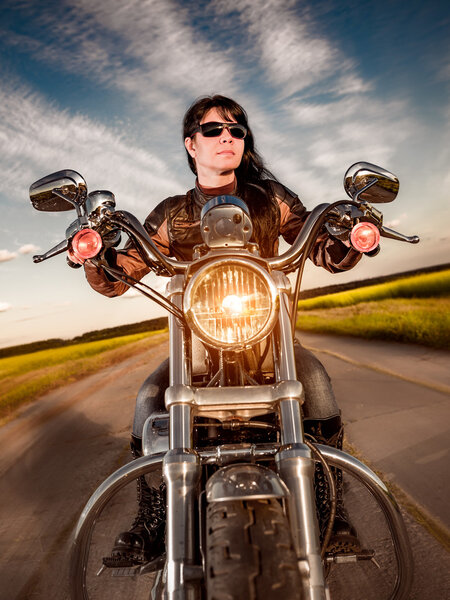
column 395, row 235
column 58, row 249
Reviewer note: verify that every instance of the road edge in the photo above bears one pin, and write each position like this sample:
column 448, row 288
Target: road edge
column 433, row 525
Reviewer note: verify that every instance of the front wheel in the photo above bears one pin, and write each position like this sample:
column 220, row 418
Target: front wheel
column 249, row 552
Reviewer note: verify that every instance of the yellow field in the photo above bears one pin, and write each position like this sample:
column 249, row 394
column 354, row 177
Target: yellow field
column 23, row 378
column 416, row 320
column 430, row 285
column 411, row 309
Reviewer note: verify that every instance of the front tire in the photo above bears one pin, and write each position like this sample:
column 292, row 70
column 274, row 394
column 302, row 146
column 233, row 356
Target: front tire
column 249, row 553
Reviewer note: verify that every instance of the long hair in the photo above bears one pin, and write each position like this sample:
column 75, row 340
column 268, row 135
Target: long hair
column 265, row 215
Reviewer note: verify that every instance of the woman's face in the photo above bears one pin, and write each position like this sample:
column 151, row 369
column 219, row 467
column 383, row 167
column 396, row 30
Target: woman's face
column 215, row 156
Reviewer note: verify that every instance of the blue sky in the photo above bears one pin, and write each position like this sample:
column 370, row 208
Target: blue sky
column 102, row 87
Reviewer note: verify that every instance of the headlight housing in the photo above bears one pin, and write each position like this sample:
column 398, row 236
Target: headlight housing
column 231, row 303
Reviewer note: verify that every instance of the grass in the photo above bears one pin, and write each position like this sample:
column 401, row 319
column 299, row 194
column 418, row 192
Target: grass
column 430, row 285
column 423, row 321
column 26, row 377
column 411, row 309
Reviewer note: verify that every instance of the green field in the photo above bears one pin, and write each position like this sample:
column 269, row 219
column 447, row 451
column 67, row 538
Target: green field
column 412, row 309
column 23, row 378
column 430, row 285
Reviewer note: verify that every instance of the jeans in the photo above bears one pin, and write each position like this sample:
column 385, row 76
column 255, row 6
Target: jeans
column 320, row 402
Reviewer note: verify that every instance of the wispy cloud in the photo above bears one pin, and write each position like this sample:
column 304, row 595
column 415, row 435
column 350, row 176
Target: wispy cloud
column 145, row 48
column 290, row 47
column 4, row 306
column 37, row 138
column 28, row 249
column 6, row 255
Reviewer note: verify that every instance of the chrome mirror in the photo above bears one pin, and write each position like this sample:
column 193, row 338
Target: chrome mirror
column 63, row 190
column 365, row 182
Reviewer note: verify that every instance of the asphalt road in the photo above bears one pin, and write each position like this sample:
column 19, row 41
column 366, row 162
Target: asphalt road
column 60, row 448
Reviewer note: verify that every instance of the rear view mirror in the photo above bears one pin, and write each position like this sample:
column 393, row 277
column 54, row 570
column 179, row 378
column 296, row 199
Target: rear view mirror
column 368, row 183
column 63, row 190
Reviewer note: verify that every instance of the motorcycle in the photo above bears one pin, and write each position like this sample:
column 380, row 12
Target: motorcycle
column 231, row 446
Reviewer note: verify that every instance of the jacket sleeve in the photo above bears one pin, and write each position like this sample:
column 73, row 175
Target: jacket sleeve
column 328, row 252
column 129, row 260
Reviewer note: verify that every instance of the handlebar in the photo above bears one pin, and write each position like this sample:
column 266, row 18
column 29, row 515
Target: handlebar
column 167, row 266
column 290, row 257
column 132, row 226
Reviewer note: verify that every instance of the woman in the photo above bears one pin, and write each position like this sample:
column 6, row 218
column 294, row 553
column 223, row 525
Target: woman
column 221, row 153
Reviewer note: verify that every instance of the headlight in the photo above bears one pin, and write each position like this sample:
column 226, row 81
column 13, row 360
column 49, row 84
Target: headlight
column 231, row 303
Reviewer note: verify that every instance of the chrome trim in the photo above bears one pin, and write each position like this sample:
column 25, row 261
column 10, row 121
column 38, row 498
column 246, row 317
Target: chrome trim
column 389, row 506
column 93, row 508
column 155, row 434
column 178, row 371
column 98, row 200
column 63, row 190
column 58, row 249
column 225, row 222
column 181, row 469
column 296, row 468
column 129, row 223
column 288, row 258
column 148, row 464
column 400, row 237
column 220, row 455
column 251, row 266
column 244, row 482
column 180, row 426
column 291, row 421
column 224, row 402
column 225, row 200
column 288, row 368
column 366, row 182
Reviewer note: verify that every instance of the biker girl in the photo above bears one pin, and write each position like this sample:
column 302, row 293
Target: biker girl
column 221, row 153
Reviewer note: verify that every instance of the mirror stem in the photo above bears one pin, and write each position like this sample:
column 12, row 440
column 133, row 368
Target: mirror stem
column 366, row 187
column 82, row 218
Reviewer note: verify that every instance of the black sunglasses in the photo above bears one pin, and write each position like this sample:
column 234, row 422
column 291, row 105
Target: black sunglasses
column 214, row 129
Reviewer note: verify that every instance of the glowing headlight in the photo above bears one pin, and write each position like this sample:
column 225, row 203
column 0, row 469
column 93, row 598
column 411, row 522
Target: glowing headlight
column 231, row 304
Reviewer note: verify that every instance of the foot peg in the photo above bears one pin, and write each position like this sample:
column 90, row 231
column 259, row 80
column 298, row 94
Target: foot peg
column 122, row 568
column 350, row 557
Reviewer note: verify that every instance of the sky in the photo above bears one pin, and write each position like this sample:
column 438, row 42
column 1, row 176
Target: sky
column 102, row 87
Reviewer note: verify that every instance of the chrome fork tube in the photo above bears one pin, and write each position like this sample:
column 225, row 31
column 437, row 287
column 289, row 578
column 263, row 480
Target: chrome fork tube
column 178, row 372
column 181, row 468
column 181, row 465
column 296, row 468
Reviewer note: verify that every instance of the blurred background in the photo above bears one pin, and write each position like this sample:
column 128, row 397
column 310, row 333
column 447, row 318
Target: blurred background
column 101, row 88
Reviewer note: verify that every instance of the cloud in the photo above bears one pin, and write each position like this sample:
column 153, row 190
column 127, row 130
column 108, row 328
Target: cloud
column 28, row 249
column 4, row 306
column 145, row 48
column 37, row 138
column 288, row 43
column 6, row 255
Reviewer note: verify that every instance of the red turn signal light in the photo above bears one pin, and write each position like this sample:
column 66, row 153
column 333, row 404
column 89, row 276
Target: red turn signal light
column 365, row 237
column 86, row 244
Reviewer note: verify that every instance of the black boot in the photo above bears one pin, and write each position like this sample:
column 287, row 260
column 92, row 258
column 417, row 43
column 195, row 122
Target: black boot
column 344, row 538
column 145, row 539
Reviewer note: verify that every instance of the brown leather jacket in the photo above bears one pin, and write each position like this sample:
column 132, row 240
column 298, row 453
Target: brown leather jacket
column 174, row 226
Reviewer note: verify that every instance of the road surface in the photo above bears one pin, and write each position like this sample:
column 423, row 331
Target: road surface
column 61, row 447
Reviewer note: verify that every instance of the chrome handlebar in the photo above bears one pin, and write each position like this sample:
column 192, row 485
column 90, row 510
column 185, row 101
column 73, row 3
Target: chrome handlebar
column 164, row 265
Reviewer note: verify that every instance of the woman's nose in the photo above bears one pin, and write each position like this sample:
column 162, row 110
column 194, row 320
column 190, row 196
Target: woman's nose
column 225, row 136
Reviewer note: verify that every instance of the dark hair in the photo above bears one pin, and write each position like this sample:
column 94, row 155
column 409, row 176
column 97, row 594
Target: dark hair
column 265, row 215
column 252, row 168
